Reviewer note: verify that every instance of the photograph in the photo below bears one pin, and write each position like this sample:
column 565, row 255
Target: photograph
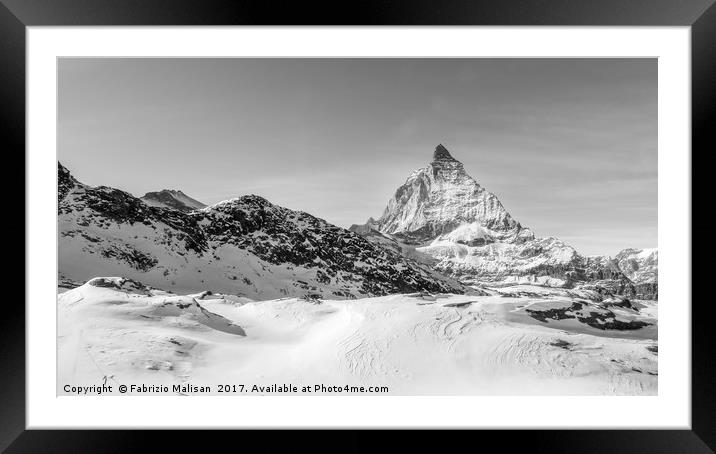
column 420, row 218
column 357, row 226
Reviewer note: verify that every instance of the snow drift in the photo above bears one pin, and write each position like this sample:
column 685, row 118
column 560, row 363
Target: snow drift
column 517, row 340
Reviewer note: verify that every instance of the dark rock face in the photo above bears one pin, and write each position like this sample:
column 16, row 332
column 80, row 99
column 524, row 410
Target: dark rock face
column 65, row 182
column 599, row 318
column 106, row 206
column 118, row 206
column 442, row 154
column 136, row 259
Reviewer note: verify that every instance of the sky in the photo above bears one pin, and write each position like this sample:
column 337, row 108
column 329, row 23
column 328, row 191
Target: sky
column 569, row 146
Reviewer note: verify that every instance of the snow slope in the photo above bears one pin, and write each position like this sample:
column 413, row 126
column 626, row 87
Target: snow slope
column 521, row 340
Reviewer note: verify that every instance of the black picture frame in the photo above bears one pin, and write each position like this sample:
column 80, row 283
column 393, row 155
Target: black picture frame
column 700, row 15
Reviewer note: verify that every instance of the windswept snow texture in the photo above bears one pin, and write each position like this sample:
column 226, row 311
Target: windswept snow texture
column 244, row 246
column 168, row 198
column 443, row 214
column 521, row 340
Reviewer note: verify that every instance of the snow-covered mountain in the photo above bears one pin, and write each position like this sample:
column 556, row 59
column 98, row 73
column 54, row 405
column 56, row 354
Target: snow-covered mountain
column 168, row 198
column 245, row 246
column 642, row 267
column 445, row 214
column 442, row 199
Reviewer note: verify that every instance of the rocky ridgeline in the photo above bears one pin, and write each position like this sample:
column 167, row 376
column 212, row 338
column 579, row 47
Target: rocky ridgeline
column 249, row 243
column 279, row 236
column 105, row 207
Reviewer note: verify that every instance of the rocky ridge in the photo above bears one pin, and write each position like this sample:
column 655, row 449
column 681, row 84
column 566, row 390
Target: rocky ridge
column 244, row 246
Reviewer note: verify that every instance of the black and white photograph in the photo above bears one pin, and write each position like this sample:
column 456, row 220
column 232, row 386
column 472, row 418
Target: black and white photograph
column 439, row 219
column 357, row 226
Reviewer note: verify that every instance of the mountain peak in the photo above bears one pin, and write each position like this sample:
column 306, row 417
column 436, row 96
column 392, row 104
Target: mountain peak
column 441, row 197
column 442, row 154
column 172, row 198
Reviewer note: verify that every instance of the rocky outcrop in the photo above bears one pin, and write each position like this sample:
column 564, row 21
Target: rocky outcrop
column 65, row 182
column 600, row 318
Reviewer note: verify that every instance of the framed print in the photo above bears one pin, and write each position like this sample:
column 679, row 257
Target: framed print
column 409, row 217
